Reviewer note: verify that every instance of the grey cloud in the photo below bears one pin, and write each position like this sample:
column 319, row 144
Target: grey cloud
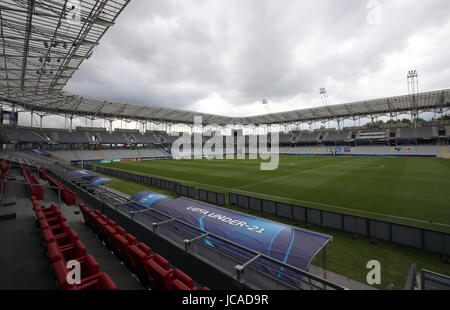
column 174, row 53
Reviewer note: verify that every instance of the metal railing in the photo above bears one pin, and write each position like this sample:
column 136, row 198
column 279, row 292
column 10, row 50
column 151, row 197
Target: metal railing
column 411, row 280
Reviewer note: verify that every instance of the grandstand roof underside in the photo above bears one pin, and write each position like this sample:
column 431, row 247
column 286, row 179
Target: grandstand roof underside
column 40, row 51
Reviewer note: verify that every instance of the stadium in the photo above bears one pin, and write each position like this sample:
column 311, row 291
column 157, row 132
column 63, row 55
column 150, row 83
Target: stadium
column 133, row 215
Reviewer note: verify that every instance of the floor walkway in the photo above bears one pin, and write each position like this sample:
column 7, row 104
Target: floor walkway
column 24, row 264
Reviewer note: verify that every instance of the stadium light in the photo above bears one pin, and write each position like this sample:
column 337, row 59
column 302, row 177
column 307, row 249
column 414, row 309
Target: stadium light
column 412, row 79
column 266, row 105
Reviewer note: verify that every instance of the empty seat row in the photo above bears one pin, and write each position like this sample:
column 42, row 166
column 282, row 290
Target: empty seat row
column 32, row 183
column 4, row 173
column 63, row 246
column 152, row 269
column 69, row 196
column 4, row 165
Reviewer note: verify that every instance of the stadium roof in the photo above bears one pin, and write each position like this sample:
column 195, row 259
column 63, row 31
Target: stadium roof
column 43, row 43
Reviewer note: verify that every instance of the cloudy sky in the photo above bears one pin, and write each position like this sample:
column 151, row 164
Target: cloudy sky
column 224, row 56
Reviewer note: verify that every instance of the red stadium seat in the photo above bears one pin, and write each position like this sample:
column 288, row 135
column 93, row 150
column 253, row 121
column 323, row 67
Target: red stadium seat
column 64, row 239
column 120, row 230
column 111, row 223
column 63, row 246
column 57, row 228
column 76, row 251
column 49, row 216
column 140, row 253
column 111, row 232
column 85, row 212
column 68, row 238
column 100, row 282
column 104, row 230
column 180, row 281
column 52, row 209
column 121, row 245
column 98, row 223
column 55, row 219
column 89, row 270
column 159, row 272
column 54, row 253
column 92, row 218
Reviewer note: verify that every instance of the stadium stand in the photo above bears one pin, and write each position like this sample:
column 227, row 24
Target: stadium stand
column 23, row 135
column 416, row 133
column 68, row 146
column 370, row 135
column 147, row 138
column 151, row 268
column 4, row 173
column 63, row 245
column 285, row 138
column 112, row 138
column 32, row 183
column 162, row 137
column 118, row 153
column 307, row 137
column 69, row 196
column 334, row 136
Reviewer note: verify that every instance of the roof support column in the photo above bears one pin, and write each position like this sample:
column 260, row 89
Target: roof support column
column 70, row 123
column 143, row 127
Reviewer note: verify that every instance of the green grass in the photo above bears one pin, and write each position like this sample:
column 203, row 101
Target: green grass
column 416, row 188
column 412, row 191
column 131, row 188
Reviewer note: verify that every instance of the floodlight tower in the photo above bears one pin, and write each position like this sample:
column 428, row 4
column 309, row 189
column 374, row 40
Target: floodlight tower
column 325, row 100
column 413, row 82
column 412, row 79
column 266, row 105
column 324, row 96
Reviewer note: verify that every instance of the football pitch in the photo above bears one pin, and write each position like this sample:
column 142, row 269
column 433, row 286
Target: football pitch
column 413, row 191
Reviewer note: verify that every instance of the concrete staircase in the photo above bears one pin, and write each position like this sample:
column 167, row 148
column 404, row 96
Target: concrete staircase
column 317, row 150
column 445, row 152
column 99, row 154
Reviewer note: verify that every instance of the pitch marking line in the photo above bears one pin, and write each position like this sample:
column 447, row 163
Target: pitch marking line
column 228, row 189
column 284, row 176
column 301, row 172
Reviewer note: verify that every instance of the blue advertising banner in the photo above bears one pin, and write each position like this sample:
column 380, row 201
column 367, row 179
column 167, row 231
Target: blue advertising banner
column 85, row 174
column 91, row 177
column 146, row 198
column 40, row 152
column 294, row 246
column 99, row 180
column 347, row 149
